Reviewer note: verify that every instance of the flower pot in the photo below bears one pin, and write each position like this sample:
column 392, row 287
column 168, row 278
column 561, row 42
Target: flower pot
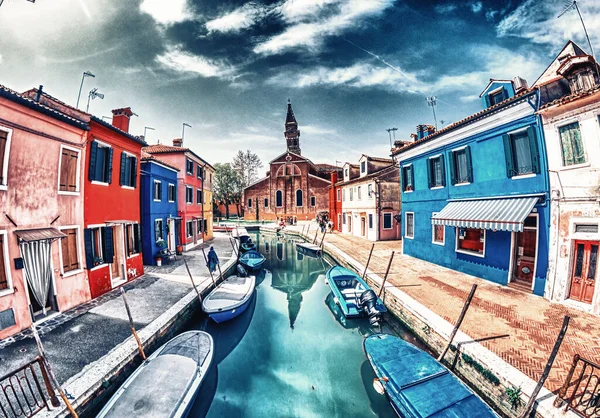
column 179, row 249
column 159, row 261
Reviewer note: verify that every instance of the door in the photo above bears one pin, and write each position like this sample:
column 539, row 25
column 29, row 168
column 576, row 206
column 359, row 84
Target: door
column 525, row 253
column 171, row 237
column 38, row 274
column 363, row 226
column 115, row 265
column 194, row 231
column 350, row 222
column 583, row 276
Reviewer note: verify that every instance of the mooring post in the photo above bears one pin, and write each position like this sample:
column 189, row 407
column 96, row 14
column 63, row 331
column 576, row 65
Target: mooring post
column 307, row 230
column 192, row 280
column 386, row 273
column 207, row 266
column 323, row 239
column 368, row 261
column 314, row 241
column 460, row 319
column 133, row 331
column 540, row 383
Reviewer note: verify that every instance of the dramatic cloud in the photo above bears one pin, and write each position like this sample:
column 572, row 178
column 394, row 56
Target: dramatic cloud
column 166, row 12
column 476, row 7
column 444, row 8
column 185, row 62
column 239, row 19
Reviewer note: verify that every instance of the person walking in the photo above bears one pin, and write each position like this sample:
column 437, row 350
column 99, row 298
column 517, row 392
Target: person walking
column 213, row 260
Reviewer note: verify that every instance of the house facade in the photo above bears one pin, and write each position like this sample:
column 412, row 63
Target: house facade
column 370, row 195
column 42, row 264
column 475, row 194
column 158, row 186
column 335, row 202
column 207, row 201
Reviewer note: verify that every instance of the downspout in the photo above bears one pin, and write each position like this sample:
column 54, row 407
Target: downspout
column 378, row 210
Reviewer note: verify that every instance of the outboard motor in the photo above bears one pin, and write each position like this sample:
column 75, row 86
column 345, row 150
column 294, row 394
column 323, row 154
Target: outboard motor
column 241, row 271
column 368, row 303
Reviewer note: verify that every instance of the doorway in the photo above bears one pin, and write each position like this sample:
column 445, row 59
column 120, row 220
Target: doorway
column 119, row 255
column 363, row 226
column 171, row 234
column 583, row 275
column 39, row 278
column 525, row 255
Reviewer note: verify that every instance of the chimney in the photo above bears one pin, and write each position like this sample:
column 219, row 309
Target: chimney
column 178, row 142
column 121, row 118
column 424, row 130
column 413, row 137
column 334, row 177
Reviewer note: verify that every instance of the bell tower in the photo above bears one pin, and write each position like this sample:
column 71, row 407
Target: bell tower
column 292, row 134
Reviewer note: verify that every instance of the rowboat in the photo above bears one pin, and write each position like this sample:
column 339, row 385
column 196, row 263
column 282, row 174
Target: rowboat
column 166, row 384
column 252, row 259
column 416, row 384
column 240, row 233
column 309, row 249
column 247, row 246
column 230, row 298
column 353, row 295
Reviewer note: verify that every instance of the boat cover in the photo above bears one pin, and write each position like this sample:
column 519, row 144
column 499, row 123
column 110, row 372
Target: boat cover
column 252, row 258
column 229, row 294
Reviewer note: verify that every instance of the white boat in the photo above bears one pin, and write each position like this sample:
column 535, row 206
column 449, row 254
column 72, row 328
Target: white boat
column 230, row 298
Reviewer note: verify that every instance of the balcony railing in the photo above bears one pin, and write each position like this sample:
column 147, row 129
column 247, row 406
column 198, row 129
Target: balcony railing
column 581, row 390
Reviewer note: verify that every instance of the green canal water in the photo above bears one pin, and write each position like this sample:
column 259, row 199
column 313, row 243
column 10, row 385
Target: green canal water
column 291, row 354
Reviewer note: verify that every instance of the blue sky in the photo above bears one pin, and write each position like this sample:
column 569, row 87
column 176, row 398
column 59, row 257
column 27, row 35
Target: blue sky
column 352, row 68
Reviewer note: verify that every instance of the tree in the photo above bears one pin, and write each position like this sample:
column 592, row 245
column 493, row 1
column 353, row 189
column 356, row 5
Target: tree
column 226, row 185
column 247, row 164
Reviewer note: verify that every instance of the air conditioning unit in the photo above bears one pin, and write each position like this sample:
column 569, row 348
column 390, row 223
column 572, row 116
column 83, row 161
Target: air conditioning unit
column 519, row 84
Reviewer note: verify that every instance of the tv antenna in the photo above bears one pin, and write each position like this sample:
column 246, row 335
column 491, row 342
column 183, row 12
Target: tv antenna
column 392, row 131
column 432, row 101
column 93, row 94
column 30, row 1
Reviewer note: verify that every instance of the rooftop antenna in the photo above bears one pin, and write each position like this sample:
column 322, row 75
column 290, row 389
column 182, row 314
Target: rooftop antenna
column 392, row 131
column 92, row 95
column 106, row 117
column 183, row 129
column 432, row 101
column 573, row 5
column 85, row 74
column 145, row 129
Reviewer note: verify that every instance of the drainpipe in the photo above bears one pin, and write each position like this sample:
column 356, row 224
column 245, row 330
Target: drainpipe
column 378, row 210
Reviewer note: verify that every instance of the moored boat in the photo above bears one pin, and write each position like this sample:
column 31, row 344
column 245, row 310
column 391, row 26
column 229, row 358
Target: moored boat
column 416, row 384
column 353, row 294
column 309, row 249
column 230, row 298
column 247, row 246
column 253, row 260
column 166, row 384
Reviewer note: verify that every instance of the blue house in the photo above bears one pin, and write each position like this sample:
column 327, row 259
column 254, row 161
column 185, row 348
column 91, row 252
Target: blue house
column 158, row 207
column 475, row 194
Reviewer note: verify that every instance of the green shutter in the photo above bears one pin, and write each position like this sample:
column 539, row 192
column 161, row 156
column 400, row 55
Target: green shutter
column 452, row 164
column 89, row 253
column 134, row 172
column 442, row 162
column 109, row 166
column 92, row 168
column 137, row 238
column 535, row 154
column 108, row 246
column 508, row 155
column 429, row 173
column 469, row 163
column 123, row 173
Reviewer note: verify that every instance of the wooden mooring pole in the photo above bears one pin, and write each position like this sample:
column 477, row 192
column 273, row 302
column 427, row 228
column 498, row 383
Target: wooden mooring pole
column 51, row 375
column 192, row 280
column 323, row 239
column 133, row 331
column 368, row 261
column 540, row 383
column 387, row 271
column 314, row 241
column 460, row 319
column 208, row 267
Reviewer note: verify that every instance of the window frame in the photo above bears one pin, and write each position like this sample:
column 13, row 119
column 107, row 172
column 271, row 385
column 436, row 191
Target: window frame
column 405, row 168
column 199, row 172
column 370, row 221
column 191, row 229
column 363, row 167
column 266, row 201
column 562, row 124
column 170, row 187
column 101, row 144
column 96, row 231
column 10, row 289
column 313, row 201
column 391, row 221
column 4, row 174
column 339, row 195
column 129, row 229
column 191, row 201
column 467, row 252
column 77, row 173
column 162, row 229
column 454, row 168
column 406, row 225
column 509, row 145
column 250, row 203
column 133, row 174
column 188, row 163
column 433, row 226
column 78, row 239
column 370, row 190
column 301, row 198
column 159, row 183
column 430, row 169
column 199, row 195
column 278, row 199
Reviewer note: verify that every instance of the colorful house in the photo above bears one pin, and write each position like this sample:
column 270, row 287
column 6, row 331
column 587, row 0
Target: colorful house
column 160, row 222
column 335, row 202
column 207, row 201
column 194, row 209
column 42, row 268
column 475, row 194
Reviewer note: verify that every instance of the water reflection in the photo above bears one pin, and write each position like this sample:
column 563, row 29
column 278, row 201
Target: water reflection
column 361, row 324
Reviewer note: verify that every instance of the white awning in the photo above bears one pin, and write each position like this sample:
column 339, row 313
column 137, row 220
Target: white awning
column 505, row 214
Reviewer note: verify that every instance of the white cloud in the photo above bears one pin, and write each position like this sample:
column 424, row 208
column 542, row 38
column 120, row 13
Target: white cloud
column 444, row 8
column 476, row 7
column 317, row 130
column 185, row 62
column 491, row 14
column 166, row 12
column 237, row 20
column 469, row 98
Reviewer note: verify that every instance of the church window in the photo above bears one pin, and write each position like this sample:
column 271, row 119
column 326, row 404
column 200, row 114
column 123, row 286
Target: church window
column 266, row 202
column 313, row 201
column 249, row 203
column 278, row 198
column 299, row 198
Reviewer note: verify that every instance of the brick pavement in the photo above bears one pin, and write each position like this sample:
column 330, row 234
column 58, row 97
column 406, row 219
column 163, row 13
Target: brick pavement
column 518, row 327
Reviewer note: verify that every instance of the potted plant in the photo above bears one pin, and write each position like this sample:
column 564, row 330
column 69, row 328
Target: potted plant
column 97, row 261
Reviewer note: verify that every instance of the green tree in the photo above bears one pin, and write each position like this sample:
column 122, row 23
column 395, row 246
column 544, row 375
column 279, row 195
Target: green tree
column 226, row 186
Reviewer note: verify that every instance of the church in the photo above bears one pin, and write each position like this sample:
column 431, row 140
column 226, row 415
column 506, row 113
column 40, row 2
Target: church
column 294, row 188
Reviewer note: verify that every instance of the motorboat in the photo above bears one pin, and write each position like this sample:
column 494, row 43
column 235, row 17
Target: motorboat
column 252, row 260
column 231, row 297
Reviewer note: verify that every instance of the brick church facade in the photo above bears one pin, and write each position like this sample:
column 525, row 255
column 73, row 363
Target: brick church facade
column 294, row 186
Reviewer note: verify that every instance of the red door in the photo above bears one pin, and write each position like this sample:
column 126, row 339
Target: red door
column 583, row 277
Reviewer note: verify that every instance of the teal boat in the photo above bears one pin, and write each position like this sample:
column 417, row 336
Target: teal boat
column 417, row 385
column 247, row 246
column 253, row 260
column 353, row 295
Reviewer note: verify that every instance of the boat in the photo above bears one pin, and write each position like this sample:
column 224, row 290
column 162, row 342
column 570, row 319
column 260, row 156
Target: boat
column 416, row 384
column 353, row 295
column 231, row 297
column 165, row 384
column 308, row 249
column 253, row 260
column 247, row 246
column 240, row 233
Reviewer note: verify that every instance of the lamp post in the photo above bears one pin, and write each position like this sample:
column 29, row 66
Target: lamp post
column 85, row 74
column 145, row 129
column 183, row 129
column 92, row 95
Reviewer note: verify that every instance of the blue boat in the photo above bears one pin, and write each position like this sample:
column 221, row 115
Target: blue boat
column 417, row 385
column 247, row 246
column 353, row 295
column 230, row 298
column 252, row 260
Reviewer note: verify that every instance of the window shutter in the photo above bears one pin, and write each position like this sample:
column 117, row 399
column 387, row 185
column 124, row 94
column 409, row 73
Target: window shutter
column 122, row 180
column 452, row 165
column 134, row 172
column 137, row 238
column 73, row 250
column 108, row 245
column 159, row 190
column 443, row 163
column 429, row 173
column 109, row 166
column 535, row 154
column 72, row 177
column 92, row 168
column 89, row 254
column 488, row 103
column 504, row 94
column 508, row 155
column 64, row 171
column 469, row 163
column 403, row 179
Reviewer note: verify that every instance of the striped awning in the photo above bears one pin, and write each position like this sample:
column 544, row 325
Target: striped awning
column 506, row 214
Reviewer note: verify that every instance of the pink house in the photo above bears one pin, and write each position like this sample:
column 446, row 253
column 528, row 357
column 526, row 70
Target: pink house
column 42, row 269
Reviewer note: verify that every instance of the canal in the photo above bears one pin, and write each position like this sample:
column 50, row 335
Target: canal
column 291, row 354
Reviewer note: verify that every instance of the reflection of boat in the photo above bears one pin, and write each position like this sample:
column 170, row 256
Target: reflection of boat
column 416, row 384
column 348, row 323
column 247, row 246
column 230, row 298
column 252, row 259
column 308, row 249
column 166, row 384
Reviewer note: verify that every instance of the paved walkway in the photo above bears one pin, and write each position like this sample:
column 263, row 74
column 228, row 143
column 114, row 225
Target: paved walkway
column 518, row 327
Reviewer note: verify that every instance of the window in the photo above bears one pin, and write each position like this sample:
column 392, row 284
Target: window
column 346, row 173
column 69, row 250
column 437, row 232
column 157, row 193
column 407, row 179
column 199, row 224
column 587, row 228
column 461, row 167
column 249, row 203
column 409, row 225
column 351, row 193
column 278, row 198
column 189, row 195
column 521, row 153
column 132, row 239
column 370, row 221
column 313, row 201
column 299, row 199
column 158, row 229
column 370, row 190
column 189, row 167
column 571, row 144
column 128, row 170
column 339, row 195
column 581, row 80
column 344, row 218
column 5, row 282
column 436, row 172
column 199, row 196
column 344, row 195
column 470, row 241
column 69, row 167
column 5, row 136
column 387, row 220
column 496, row 97
column 171, row 192
column 359, row 193
column 199, row 172
column 266, row 202
column 101, row 156
column 189, row 229
column 99, row 246
column 363, row 167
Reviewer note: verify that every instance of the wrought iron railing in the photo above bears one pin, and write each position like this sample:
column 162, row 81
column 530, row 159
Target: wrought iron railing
column 22, row 394
column 581, row 390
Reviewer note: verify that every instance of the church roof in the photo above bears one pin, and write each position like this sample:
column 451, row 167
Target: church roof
column 290, row 118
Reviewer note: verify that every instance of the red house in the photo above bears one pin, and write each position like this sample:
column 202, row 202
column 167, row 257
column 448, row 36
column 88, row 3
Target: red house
column 112, row 235
column 335, row 202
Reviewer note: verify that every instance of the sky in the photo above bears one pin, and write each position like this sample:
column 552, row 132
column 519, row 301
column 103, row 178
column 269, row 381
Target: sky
column 352, row 68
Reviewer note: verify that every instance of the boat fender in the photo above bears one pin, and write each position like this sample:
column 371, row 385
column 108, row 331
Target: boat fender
column 241, row 271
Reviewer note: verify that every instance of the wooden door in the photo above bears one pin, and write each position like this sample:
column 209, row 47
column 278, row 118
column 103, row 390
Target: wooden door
column 362, row 226
column 583, row 276
column 526, row 246
column 115, row 266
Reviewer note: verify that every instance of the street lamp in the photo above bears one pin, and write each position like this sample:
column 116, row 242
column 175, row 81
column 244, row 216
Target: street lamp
column 183, row 129
column 85, row 74
column 93, row 94
column 146, row 128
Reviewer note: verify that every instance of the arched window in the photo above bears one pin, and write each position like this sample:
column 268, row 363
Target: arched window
column 278, row 198
column 299, row 199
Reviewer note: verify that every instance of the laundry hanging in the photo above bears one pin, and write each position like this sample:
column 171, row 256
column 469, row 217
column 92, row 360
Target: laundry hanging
column 38, row 271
